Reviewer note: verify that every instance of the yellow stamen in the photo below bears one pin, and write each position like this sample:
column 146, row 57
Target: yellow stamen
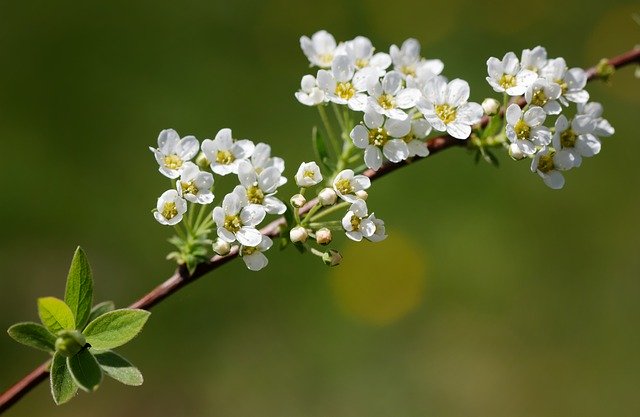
column 172, row 161
column 224, row 157
column 255, row 195
column 507, row 81
column 446, row 113
column 522, row 129
column 378, row 137
column 232, row 223
column 344, row 186
column 345, row 90
column 169, row 210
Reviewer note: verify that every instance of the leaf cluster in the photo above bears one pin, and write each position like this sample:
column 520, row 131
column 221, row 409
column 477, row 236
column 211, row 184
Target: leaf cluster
column 80, row 336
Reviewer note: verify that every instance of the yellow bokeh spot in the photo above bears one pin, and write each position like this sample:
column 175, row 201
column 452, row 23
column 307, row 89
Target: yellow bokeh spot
column 615, row 33
column 379, row 283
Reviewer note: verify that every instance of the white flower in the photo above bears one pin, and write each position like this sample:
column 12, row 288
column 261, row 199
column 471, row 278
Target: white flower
column 534, row 59
column 389, row 97
column 341, row 86
column 347, row 184
column 261, row 159
column 237, row 219
column 545, row 94
column 380, row 232
column 420, row 128
column 170, row 208
column 195, row 185
column 310, row 94
column 446, row 108
column 224, row 153
column 173, row 152
column 507, row 76
column 298, row 234
column 327, row 197
column 260, row 188
column 253, row 256
column 378, row 138
column 571, row 81
column 594, row 111
column 360, row 53
column 575, row 140
column 490, row 106
column 526, row 130
column 426, row 70
column 320, row 49
column 545, row 163
column 355, row 222
column 308, row 174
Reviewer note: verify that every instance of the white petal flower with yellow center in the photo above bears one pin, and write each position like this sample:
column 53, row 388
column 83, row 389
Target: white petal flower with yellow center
column 170, row 208
column 342, row 85
column 224, row 153
column 310, row 94
column 260, row 188
column 574, row 140
column 414, row 68
column 237, row 220
column 506, row 75
column 308, row 174
column 594, row 111
column 261, row 159
column 525, row 130
column 380, row 232
column 320, row 49
column 361, row 55
column 379, row 137
column 415, row 139
column 253, row 256
column 534, row 59
column 445, row 107
column 346, row 184
column 571, row 81
column 545, row 163
column 389, row 97
column 173, row 152
column 356, row 223
column 195, row 185
column 545, row 94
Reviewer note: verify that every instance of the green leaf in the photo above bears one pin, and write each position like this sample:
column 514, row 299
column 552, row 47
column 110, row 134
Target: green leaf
column 100, row 309
column 289, row 216
column 62, row 386
column 320, row 150
column 493, row 128
column 85, row 370
column 34, row 335
column 79, row 291
column 55, row 314
column 119, row 368
column 115, row 328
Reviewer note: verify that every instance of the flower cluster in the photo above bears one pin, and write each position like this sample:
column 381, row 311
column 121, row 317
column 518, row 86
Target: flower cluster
column 347, row 189
column 242, row 210
column 541, row 88
column 402, row 95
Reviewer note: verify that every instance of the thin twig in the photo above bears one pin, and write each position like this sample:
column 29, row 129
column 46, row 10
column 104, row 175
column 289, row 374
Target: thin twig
column 181, row 277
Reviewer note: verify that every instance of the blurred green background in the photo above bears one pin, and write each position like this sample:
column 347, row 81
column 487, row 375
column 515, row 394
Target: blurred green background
column 494, row 295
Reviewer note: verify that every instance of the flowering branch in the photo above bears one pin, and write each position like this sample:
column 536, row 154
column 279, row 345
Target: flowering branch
column 184, row 276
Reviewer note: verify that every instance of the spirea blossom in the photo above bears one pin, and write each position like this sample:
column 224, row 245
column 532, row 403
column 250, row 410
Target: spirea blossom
column 444, row 105
column 172, row 152
column 225, row 153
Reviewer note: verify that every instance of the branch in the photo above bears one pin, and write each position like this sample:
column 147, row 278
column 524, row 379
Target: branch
column 181, row 277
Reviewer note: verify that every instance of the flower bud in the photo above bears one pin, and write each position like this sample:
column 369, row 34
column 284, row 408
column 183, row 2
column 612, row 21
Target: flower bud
column 298, row 201
column 327, row 197
column 298, row 234
column 491, row 106
column 202, row 161
column 221, row 247
column 515, row 152
column 362, row 194
column 323, row 236
column 70, row 342
column 332, row 258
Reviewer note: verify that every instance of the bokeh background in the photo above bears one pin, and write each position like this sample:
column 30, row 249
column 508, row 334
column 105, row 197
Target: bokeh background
column 493, row 296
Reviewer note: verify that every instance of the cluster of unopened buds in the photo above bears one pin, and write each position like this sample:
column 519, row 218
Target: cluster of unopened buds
column 401, row 98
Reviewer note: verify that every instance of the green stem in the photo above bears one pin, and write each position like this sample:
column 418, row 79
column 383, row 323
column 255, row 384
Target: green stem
column 330, row 210
column 311, row 212
column 329, row 130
